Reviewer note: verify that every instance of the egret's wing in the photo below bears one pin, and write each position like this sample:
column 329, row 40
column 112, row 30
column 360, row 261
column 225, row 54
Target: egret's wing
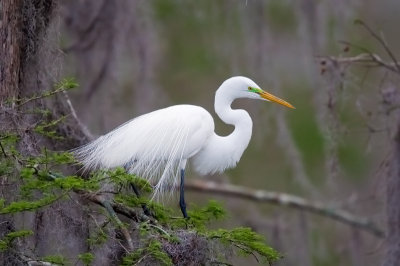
column 151, row 146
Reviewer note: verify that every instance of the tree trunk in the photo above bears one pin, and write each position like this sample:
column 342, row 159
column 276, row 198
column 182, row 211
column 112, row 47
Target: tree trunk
column 30, row 63
column 392, row 206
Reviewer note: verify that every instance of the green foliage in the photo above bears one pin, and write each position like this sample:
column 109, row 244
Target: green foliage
column 56, row 259
column 27, row 172
column 49, row 159
column 48, row 129
column 200, row 217
column 21, row 206
column 86, row 258
column 160, row 212
column 98, row 237
column 8, row 143
column 8, row 238
column 67, row 84
column 153, row 249
column 70, row 182
column 6, row 167
column 247, row 241
column 121, row 177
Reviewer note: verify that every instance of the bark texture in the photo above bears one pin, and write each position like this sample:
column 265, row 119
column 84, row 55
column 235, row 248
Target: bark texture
column 10, row 48
column 30, row 65
column 392, row 206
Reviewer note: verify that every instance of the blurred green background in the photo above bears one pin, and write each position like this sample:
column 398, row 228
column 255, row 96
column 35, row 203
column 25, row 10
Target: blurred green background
column 146, row 55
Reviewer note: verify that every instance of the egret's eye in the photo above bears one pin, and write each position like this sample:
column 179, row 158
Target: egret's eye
column 252, row 89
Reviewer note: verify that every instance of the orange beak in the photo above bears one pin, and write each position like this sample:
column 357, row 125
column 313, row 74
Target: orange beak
column 269, row 97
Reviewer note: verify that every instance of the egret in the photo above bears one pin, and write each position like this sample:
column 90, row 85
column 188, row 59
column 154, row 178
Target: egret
column 157, row 145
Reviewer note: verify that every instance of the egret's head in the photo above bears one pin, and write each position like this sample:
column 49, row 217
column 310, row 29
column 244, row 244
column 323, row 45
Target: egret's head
column 242, row 87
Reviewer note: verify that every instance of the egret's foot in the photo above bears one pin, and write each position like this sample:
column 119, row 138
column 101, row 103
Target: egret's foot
column 182, row 204
column 146, row 210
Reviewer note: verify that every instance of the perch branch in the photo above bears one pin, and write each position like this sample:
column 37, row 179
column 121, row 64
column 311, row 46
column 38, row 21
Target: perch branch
column 288, row 200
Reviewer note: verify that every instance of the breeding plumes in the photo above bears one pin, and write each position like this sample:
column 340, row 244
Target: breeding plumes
column 157, row 145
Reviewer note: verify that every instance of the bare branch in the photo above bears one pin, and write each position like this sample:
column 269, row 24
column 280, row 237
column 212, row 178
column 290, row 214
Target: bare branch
column 287, row 200
column 83, row 128
column 382, row 42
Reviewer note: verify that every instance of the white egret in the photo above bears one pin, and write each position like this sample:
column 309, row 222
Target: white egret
column 156, row 146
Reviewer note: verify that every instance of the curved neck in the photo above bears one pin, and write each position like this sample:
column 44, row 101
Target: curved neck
column 222, row 152
column 236, row 117
column 240, row 137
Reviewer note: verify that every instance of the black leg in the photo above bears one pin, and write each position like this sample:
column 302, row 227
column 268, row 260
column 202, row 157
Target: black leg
column 182, row 203
column 144, row 207
column 134, row 188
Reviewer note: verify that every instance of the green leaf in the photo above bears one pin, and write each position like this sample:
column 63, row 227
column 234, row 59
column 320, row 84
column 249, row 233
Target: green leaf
column 247, row 241
column 200, row 217
column 8, row 238
column 121, row 177
column 67, row 83
column 20, row 206
column 27, row 172
column 97, row 238
column 86, row 258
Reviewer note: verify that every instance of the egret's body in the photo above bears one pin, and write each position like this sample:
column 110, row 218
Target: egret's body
column 157, row 145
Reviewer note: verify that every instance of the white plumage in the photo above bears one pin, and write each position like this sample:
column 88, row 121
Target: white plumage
column 157, row 145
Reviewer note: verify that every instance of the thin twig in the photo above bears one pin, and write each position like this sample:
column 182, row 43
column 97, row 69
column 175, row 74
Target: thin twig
column 83, row 128
column 141, row 259
column 159, row 229
column 245, row 250
column 44, row 95
column 288, row 200
column 382, row 42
